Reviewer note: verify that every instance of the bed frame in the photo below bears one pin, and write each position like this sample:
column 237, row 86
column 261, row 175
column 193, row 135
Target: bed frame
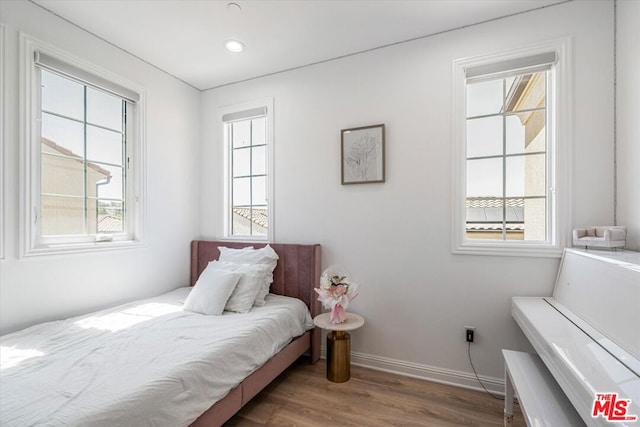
column 297, row 273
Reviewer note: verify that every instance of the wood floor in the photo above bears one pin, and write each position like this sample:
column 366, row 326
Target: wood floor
column 302, row 396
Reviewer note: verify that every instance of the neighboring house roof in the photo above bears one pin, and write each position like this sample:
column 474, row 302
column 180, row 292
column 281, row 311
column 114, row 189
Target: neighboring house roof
column 486, row 213
column 260, row 215
column 109, row 224
column 493, row 202
column 65, row 151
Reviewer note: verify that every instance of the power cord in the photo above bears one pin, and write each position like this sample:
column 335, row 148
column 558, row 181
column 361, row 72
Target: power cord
column 478, row 378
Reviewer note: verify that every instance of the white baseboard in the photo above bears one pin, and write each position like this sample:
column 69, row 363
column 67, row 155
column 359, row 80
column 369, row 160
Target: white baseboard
column 425, row 372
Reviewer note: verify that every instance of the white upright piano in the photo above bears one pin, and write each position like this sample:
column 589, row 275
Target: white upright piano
column 587, row 340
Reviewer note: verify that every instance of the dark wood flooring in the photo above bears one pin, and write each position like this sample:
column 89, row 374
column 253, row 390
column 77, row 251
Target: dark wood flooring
column 302, row 396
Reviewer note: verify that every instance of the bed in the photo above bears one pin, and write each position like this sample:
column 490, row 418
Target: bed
column 88, row 370
column 297, row 274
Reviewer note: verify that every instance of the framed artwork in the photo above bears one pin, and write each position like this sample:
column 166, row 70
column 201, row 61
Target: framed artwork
column 362, row 154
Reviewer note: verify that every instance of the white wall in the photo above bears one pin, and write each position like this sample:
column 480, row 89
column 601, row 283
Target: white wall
column 50, row 287
column 394, row 237
column 628, row 125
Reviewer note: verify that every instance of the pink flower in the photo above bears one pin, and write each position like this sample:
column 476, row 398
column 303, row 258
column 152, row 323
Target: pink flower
column 335, row 292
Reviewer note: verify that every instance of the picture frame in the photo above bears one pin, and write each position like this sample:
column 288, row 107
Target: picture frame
column 362, row 151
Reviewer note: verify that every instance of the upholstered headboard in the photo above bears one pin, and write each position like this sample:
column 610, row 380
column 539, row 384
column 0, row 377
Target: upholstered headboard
column 297, row 272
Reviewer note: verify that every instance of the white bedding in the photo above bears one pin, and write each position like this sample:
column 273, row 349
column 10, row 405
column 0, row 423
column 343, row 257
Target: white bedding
column 142, row 363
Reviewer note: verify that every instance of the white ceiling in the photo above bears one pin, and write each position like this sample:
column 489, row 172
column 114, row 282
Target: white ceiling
column 185, row 37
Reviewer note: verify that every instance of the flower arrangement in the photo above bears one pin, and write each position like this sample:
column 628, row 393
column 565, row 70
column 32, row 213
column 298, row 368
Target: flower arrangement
column 335, row 292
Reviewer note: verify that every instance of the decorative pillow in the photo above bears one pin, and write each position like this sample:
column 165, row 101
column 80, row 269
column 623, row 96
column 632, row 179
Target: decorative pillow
column 251, row 282
column 211, row 291
column 266, row 256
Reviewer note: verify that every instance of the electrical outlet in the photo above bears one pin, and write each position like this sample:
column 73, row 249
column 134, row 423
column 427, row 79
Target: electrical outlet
column 469, row 333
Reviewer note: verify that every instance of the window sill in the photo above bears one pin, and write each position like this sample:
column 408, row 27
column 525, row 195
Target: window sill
column 248, row 239
column 69, row 248
column 492, row 249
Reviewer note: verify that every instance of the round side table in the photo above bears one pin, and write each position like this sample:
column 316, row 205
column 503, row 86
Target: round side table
column 338, row 345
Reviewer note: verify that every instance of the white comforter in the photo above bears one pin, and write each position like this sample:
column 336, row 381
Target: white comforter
column 143, row 363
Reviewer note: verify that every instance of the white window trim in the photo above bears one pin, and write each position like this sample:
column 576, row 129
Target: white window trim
column 559, row 153
column 3, row 108
column 30, row 163
column 225, row 155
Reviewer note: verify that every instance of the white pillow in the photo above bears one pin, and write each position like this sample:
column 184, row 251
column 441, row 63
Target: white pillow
column 211, row 291
column 265, row 256
column 263, row 291
column 250, row 283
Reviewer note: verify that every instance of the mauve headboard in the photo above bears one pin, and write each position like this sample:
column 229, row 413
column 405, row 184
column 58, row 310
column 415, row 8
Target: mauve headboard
column 297, row 272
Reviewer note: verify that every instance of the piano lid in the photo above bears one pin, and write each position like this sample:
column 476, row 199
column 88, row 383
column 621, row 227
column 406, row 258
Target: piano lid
column 603, row 289
column 588, row 333
column 579, row 364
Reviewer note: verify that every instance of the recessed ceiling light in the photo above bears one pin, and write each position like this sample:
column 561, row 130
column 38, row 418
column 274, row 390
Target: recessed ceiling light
column 234, row 46
column 234, row 7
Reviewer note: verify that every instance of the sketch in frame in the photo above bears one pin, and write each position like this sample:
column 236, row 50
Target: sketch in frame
column 363, row 155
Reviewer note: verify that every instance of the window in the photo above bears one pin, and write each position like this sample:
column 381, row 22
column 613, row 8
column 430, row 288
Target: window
column 84, row 145
column 83, row 153
column 247, row 143
column 509, row 127
column 506, row 158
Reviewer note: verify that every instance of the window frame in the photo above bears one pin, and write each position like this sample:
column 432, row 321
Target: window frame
column 225, row 225
column 32, row 242
column 3, row 118
column 558, row 150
